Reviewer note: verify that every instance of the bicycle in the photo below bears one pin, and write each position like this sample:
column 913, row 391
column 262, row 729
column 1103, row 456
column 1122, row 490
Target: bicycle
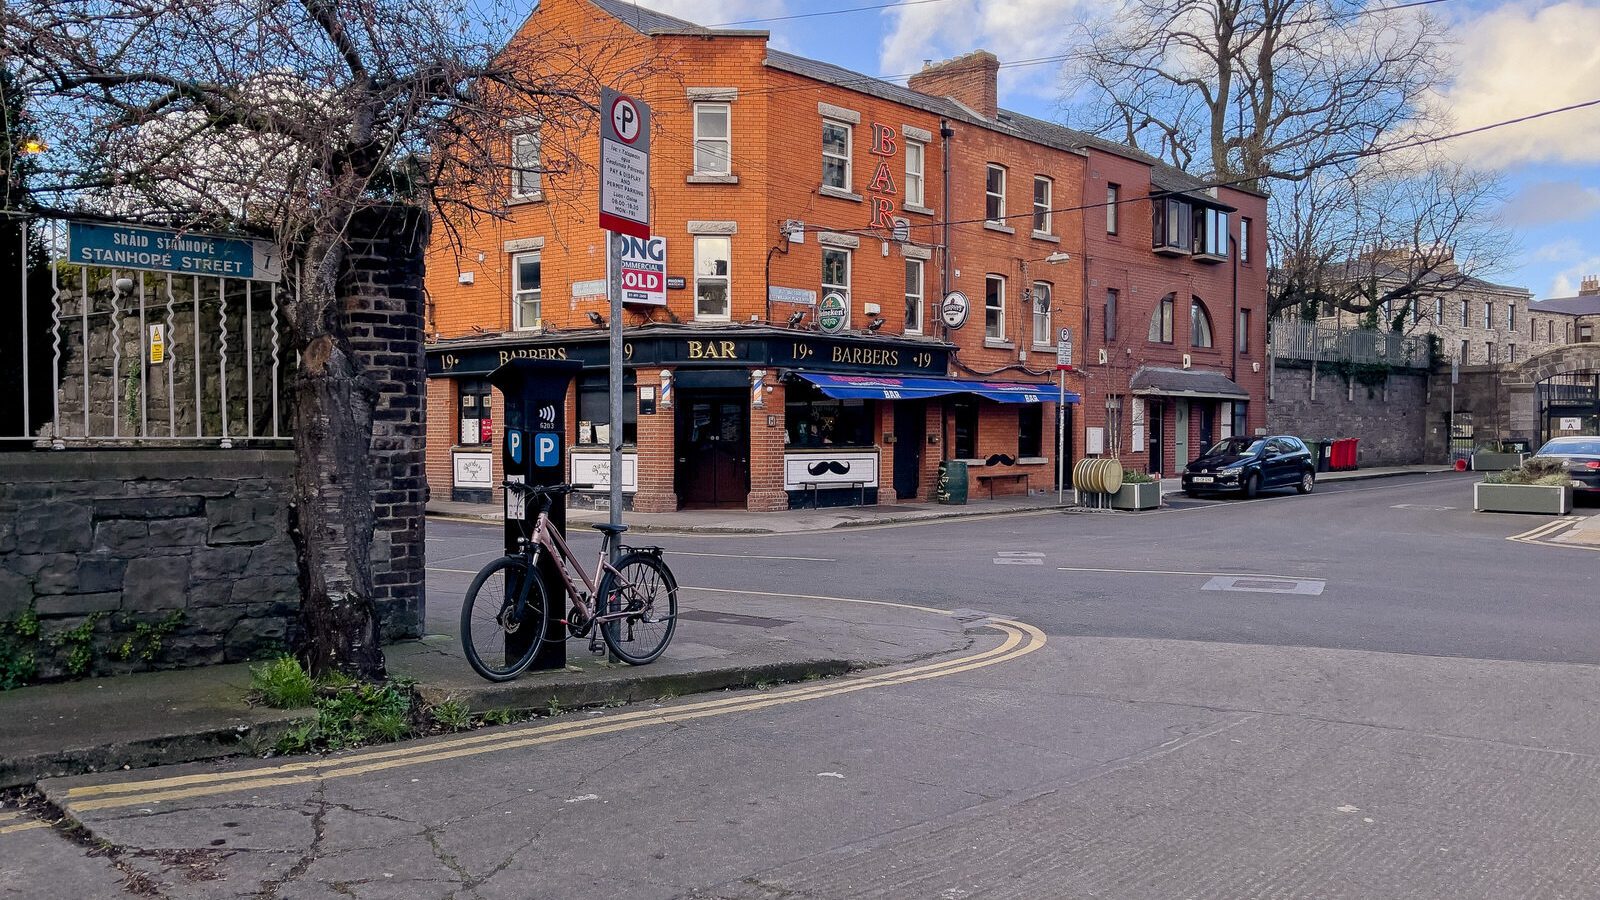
column 508, row 598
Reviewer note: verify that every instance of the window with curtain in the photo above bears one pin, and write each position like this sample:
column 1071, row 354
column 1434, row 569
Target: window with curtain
column 1041, row 313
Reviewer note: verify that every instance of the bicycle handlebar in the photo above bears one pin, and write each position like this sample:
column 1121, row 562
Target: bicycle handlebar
column 549, row 490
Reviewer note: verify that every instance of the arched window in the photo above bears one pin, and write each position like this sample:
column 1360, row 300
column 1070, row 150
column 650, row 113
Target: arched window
column 1161, row 320
column 1199, row 324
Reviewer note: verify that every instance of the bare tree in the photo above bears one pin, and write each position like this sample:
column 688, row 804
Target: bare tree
column 290, row 119
column 1258, row 89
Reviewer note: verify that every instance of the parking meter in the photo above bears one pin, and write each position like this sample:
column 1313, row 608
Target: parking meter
column 532, row 450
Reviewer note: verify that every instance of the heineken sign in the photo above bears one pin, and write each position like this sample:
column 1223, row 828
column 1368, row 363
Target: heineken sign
column 164, row 250
column 833, row 313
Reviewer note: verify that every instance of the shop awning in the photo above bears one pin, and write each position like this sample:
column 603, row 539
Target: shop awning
column 874, row 387
column 1155, row 381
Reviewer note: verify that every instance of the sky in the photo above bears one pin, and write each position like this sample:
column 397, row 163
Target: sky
column 1513, row 58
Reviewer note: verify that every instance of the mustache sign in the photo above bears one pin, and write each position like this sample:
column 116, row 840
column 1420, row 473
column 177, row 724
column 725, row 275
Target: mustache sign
column 830, row 465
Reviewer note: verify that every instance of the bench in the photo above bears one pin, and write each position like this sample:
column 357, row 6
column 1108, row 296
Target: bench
column 992, row 477
column 814, row 486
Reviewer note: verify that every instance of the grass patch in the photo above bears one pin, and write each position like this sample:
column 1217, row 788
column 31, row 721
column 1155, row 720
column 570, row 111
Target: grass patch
column 282, row 683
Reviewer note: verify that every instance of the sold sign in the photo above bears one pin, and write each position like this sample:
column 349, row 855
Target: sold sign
column 644, row 271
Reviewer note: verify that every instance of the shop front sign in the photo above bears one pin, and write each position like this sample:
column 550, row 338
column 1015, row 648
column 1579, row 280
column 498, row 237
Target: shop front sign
column 954, row 309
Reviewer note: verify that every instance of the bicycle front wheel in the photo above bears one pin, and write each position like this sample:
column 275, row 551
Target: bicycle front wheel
column 500, row 641
column 644, row 588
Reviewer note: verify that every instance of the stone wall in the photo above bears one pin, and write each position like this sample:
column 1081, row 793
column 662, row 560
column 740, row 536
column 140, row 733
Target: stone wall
column 120, row 538
column 1390, row 418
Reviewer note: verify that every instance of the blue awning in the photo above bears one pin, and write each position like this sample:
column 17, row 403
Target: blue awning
column 879, row 387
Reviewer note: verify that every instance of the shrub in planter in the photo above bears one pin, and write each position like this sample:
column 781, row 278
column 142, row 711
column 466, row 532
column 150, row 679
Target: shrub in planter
column 1536, row 486
column 1138, row 491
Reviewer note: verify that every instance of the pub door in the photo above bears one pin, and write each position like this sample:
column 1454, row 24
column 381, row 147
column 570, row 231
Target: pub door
column 713, row 469
column 910, row 433
column 1157, row 417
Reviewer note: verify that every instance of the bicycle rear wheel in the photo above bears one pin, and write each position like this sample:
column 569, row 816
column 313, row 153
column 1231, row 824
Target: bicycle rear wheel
column 499, row 643
column 645, row 588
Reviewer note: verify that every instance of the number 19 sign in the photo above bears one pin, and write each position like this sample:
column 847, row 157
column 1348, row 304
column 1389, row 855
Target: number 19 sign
column 624, row 164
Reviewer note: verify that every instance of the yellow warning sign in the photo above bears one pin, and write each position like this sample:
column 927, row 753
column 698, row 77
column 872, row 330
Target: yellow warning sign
column 158, row 344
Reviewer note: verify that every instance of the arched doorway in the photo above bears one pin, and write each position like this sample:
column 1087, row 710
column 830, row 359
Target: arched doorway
column 1557, row 393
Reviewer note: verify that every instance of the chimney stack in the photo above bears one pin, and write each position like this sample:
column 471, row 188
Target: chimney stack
column 969, row 80
column 1590, row 286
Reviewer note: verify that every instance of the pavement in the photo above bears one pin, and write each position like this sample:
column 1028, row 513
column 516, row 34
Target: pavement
column 725, row 639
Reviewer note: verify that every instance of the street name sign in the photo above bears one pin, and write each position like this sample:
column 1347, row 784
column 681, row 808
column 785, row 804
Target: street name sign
column 165, row 250
column 624, row 164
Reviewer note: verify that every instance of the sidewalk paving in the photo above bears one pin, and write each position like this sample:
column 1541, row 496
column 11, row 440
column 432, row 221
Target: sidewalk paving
column 724, row 640
column 1585, row 533
column 738, row 521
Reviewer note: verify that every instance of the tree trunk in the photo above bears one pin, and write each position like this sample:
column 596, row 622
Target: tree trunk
column 333, row 511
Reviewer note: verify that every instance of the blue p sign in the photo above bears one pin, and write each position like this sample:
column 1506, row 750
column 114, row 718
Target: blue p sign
column 547, row 450
column 514, row 444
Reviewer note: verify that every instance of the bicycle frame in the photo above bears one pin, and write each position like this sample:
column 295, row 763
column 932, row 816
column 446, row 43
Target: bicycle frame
column 550, row 539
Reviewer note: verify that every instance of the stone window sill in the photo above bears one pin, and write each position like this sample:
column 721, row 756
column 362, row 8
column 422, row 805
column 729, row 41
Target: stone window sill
column 1046, row 236
column 838, row 193
column 996, row 226
column 999, row 343
column 537, row 197
column 920, row 210
column 712, row 179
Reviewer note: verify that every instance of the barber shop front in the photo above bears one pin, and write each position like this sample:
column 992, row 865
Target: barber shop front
column 752, row 417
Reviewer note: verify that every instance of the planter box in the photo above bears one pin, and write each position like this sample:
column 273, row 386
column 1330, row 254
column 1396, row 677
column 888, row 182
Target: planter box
column 1550, row 500
column 1485, row 461
column 1137, row 496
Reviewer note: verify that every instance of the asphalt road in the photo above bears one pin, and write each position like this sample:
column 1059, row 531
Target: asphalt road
column 1368, row 692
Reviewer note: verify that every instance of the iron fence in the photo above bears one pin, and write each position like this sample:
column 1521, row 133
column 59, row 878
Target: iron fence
column 1299, row 339
column 102, row 355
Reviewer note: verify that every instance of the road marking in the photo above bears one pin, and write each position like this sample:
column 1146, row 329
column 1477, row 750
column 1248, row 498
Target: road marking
column 1018, row 558
column 748, row 556
column 13, row 821
column 1311, row 587
column 453, row 571
column 1537, row 536
column 1019, row 639
column 1419, row 506
column 1170, row 572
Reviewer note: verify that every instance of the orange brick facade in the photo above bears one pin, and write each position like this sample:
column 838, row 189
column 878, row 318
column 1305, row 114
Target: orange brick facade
column 700, row 367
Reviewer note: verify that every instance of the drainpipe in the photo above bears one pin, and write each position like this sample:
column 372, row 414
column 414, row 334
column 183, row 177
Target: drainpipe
column 1233, row 247
column 945, row 134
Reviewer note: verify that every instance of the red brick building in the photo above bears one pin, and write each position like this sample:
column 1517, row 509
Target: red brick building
column 814, row 221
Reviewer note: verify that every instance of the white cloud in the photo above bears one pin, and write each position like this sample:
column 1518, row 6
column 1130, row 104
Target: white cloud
column 1011, row 29
column 1518, row 60
column 1576, row 258
column 720, row 12
column 1552, row 202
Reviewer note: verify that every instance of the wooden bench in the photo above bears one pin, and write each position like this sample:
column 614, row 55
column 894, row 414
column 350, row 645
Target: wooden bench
column 815, row 486
column 992, row 477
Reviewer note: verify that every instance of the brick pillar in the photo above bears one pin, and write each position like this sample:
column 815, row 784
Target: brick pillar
column 658, row 449
column 766, row 450
column 384, row 273
column 928, row 483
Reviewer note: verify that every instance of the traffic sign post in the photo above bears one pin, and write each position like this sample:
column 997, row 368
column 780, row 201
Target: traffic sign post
column 625, row 213
column 1063, row 363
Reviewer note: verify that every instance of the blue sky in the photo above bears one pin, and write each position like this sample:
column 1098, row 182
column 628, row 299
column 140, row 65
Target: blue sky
column 1515, row 58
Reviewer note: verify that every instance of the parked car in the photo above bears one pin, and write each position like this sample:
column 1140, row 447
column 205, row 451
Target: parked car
column 1250, row 465
column 1582, row 456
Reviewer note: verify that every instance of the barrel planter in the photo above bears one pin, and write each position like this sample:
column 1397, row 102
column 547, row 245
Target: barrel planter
column 1544, row 499
column 1137, row 496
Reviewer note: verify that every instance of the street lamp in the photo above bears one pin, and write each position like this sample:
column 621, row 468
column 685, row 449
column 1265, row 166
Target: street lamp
column 1058, row 257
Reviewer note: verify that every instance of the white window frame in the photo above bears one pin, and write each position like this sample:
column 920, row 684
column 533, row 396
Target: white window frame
column 1042, row 332
column 521, row 294
column 521, row 172
column 915, row 185
column 914, row 298
column 849, row 150
column 1511, row 317
column 1488, row 315
column 1045, row 210
column 726, row 280
column 1463, row 313
column 999, row 332
column 1113, row 196
column 830, row 287
column 727, row 141
column 1000, row 197
column 1244, row 239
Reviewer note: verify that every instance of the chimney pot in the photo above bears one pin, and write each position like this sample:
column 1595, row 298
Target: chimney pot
column 1590, row 286
column 970, row 80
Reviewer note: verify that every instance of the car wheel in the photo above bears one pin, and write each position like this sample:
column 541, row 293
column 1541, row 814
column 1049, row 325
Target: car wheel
column 1307, row 482
column 1252, row 486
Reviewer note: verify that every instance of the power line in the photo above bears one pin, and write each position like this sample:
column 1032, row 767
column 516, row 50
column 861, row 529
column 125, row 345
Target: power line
column 825, row 12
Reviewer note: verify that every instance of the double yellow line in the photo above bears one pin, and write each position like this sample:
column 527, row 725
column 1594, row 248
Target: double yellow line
column 1019, row 639
column 12, row 821
column 1549, row 529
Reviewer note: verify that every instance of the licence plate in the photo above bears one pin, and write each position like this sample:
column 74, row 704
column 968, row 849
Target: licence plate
column 1202, row 479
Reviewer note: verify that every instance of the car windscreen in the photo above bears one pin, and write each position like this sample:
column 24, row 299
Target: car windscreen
column 1234, row 447
column 1571, row 448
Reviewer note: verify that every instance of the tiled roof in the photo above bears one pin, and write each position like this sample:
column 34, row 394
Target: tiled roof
column 1160, row 381
column 1163, row 177
column 1582, row 305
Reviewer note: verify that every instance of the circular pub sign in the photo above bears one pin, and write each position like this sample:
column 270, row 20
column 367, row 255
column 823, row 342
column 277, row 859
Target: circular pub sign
column 833, row 313
column 954, row 309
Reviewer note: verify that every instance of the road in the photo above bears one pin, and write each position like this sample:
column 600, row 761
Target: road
column 1367, row 692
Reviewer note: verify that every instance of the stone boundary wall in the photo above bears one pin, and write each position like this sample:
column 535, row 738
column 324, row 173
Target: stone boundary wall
column 120, row 538
column 1390, row 418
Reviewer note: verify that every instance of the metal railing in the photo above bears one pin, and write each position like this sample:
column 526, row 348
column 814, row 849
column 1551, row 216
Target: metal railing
column 1299, row 339
column 110, row 356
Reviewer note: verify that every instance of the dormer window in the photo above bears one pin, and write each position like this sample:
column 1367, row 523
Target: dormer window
column 1173, row 227
column 1210, row 234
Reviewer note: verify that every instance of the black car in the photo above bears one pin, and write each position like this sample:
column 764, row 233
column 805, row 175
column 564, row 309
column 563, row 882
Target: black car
column 1250, row 465
column 1582, row 456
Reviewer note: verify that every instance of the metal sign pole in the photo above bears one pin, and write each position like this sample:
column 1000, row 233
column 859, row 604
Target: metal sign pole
column 614, row 294
column 1061, row 436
